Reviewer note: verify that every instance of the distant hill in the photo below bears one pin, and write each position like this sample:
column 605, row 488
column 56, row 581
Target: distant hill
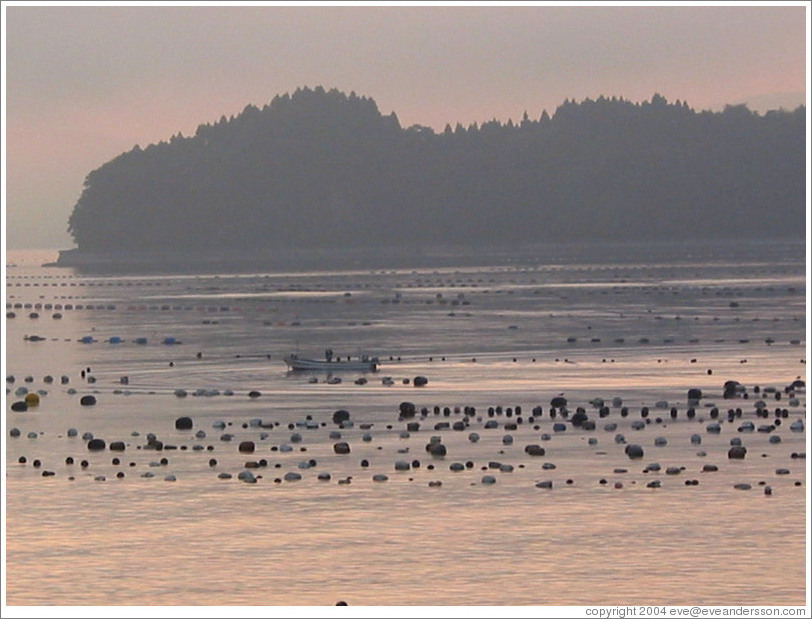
column 324, row 169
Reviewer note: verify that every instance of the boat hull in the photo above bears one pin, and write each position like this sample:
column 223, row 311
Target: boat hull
column 297, row 364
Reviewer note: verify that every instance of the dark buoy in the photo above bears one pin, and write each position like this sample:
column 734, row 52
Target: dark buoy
column 247, row 447
column 340, row 416
column 87, row 400
column 407, row 410
column 438, row 450
column 341, row 448
column 183, row 423
column 737, row 452
column 96, row 444
column 634, row 451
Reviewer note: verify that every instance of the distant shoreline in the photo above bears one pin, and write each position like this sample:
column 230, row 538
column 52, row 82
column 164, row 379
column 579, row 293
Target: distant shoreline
column 331, row 259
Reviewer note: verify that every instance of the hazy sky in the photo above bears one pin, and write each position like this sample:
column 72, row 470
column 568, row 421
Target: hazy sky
column 86, row 83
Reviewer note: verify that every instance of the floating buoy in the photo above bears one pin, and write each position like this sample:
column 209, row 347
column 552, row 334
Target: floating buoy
column 96, row 444
column 634, row 451
column 183, row 423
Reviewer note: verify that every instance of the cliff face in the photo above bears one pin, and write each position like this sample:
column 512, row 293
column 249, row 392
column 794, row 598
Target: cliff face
column 324, row 169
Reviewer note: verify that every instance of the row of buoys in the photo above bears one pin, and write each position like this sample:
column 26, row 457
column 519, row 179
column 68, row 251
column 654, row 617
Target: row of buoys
column 161, row 308
column 397, row 297
column 115, row 339
column 272, row 308
column 672, row 341
column 434, row 447
column 61, row 306
column 558, row 404
column 95, row 444
column 580, row 419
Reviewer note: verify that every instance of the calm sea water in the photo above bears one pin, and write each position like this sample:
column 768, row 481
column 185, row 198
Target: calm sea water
column 623, row 333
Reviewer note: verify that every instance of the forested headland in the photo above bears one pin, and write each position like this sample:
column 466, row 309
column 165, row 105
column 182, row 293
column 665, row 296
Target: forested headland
column 320, row 168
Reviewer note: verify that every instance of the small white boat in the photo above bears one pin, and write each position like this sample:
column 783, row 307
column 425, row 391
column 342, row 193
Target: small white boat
column 330, row 364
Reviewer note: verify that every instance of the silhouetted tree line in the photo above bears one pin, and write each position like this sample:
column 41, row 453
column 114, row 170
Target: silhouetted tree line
column 322, row 168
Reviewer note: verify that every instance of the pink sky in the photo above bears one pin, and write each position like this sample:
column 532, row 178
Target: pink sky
column 84, row 84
